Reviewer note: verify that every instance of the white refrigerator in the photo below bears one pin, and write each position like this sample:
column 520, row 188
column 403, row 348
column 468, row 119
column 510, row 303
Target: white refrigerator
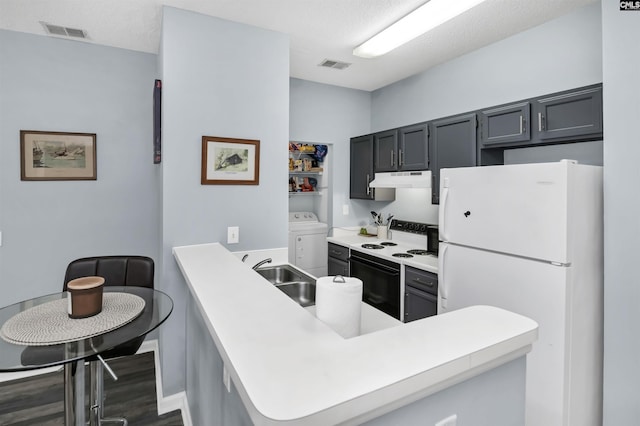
column 528, row 238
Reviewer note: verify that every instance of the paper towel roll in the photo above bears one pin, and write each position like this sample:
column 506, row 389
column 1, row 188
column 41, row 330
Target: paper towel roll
column 338, row 301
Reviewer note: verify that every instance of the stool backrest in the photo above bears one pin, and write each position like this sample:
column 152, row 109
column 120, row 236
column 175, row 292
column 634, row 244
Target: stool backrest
column 116, row 270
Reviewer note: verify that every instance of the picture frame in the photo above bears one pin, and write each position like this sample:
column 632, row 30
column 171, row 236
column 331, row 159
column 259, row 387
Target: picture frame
column 57, row 155
column 230, row 161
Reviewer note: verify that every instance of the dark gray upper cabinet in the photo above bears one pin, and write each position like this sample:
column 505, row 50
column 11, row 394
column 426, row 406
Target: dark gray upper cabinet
column 413, row 151
column 505, row 124
column 403, row 149
column 361, row 167
column 385, row 151
column 453, row 142
column 569, row 115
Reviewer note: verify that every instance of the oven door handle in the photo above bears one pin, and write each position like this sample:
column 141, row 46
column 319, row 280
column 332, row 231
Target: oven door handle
column 374, row 265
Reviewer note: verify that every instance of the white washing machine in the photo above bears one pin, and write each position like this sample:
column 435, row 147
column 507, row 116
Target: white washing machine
column 308, row 243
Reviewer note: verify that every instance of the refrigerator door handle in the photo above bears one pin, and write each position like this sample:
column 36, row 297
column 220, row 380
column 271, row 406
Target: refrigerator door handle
column 442, row 212
column 442, row 282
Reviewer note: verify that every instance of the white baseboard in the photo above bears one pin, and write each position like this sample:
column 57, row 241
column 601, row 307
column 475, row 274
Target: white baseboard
column 6, row 377
column 177, row 401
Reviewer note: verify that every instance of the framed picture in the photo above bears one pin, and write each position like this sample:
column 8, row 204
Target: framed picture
column 57, row 155
column 227, row 161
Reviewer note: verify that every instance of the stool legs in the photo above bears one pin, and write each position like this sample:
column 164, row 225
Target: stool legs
column 74, row 394
column 96, row 415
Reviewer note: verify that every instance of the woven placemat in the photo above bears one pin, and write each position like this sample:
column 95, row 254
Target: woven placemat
column 49, row 323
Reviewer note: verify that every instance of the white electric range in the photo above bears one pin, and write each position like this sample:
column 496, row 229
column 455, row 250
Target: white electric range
column 398, row 272
column 407, row 243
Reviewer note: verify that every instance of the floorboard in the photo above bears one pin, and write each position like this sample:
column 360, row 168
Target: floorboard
column 38, row 400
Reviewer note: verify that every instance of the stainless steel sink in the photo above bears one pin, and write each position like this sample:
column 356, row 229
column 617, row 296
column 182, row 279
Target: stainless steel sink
column 302, row 292
column 279, row 274
column 297, row 285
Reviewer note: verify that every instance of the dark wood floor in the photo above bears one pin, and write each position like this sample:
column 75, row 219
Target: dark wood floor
column 39, row 400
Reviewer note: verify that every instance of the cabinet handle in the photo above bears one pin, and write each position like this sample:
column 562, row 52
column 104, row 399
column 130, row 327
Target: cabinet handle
column 522, row 122
column 368, row 189
column 399, row 158
column 392, row 159
column 540, row 119
column 427, row 283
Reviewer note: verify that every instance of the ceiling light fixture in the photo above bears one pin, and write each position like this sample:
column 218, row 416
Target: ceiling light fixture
column 418, row 22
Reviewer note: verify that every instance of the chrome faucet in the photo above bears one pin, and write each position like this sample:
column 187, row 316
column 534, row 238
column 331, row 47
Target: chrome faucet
column 262, row 262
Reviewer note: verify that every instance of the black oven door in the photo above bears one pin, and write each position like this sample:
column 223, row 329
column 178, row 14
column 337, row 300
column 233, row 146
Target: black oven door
column 380, row 282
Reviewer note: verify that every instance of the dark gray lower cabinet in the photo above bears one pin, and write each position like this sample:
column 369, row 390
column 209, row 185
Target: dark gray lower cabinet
column 454, row 145
column 420, row 294
column 338, row 261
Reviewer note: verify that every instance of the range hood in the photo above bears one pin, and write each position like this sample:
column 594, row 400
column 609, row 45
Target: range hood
column 420, row 179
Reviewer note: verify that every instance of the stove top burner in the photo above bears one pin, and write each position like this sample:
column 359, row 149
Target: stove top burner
column 418, row 252
column 388, row 243
column 372, row 246
column 406, row 255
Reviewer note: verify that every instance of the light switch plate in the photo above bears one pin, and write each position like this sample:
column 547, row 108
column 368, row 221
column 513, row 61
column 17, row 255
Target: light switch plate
column 233, row 235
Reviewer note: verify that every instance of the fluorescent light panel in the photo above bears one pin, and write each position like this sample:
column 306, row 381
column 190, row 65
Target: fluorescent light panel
column 418, row 22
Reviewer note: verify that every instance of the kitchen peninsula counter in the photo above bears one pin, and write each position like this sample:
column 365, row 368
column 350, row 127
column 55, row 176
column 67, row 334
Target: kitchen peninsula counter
column 290, row 368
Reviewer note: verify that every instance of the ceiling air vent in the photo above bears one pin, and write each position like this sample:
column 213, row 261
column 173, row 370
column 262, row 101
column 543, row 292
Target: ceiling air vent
column 328, row 63
column 57, row 30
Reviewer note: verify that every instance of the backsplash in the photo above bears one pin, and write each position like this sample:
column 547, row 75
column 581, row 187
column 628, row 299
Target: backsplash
column 412, row 204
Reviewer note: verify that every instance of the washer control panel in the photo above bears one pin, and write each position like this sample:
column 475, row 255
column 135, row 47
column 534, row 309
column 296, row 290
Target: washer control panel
column 302, row 217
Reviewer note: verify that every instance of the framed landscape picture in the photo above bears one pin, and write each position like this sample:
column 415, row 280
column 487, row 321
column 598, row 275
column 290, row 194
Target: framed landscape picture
column 57, row 155
column 228, row 161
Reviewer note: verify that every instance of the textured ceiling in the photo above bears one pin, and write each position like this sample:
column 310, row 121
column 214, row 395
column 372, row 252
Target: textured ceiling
column 318, row 29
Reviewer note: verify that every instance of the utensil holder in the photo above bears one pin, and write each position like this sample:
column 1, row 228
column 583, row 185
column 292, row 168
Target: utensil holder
column 382, row 232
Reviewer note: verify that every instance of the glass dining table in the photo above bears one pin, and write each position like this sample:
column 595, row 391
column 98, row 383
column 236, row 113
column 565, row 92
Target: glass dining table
column 73, row 354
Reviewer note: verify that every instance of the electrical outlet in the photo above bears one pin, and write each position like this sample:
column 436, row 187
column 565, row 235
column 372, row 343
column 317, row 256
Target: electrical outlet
column 226, row 378
column 452, row 420
column 233, row 235
column 345, row 209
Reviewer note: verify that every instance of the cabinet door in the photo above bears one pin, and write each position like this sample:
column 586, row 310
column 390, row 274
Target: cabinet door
column 418, row 304
column 361, row 167
column 413, row 150
column 385, row 151
column 337, row 251
column 570, row 115
column 454, row 145
column 506, row 124
column 338, row 267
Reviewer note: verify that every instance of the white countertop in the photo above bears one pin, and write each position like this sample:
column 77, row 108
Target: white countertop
column 266, row 340
column 355, row 241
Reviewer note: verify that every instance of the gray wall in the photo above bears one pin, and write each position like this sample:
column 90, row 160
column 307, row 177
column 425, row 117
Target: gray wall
column 59, row 85
column 329, row 114
column 229, row 80
column 558, row 55
column 621, row 67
